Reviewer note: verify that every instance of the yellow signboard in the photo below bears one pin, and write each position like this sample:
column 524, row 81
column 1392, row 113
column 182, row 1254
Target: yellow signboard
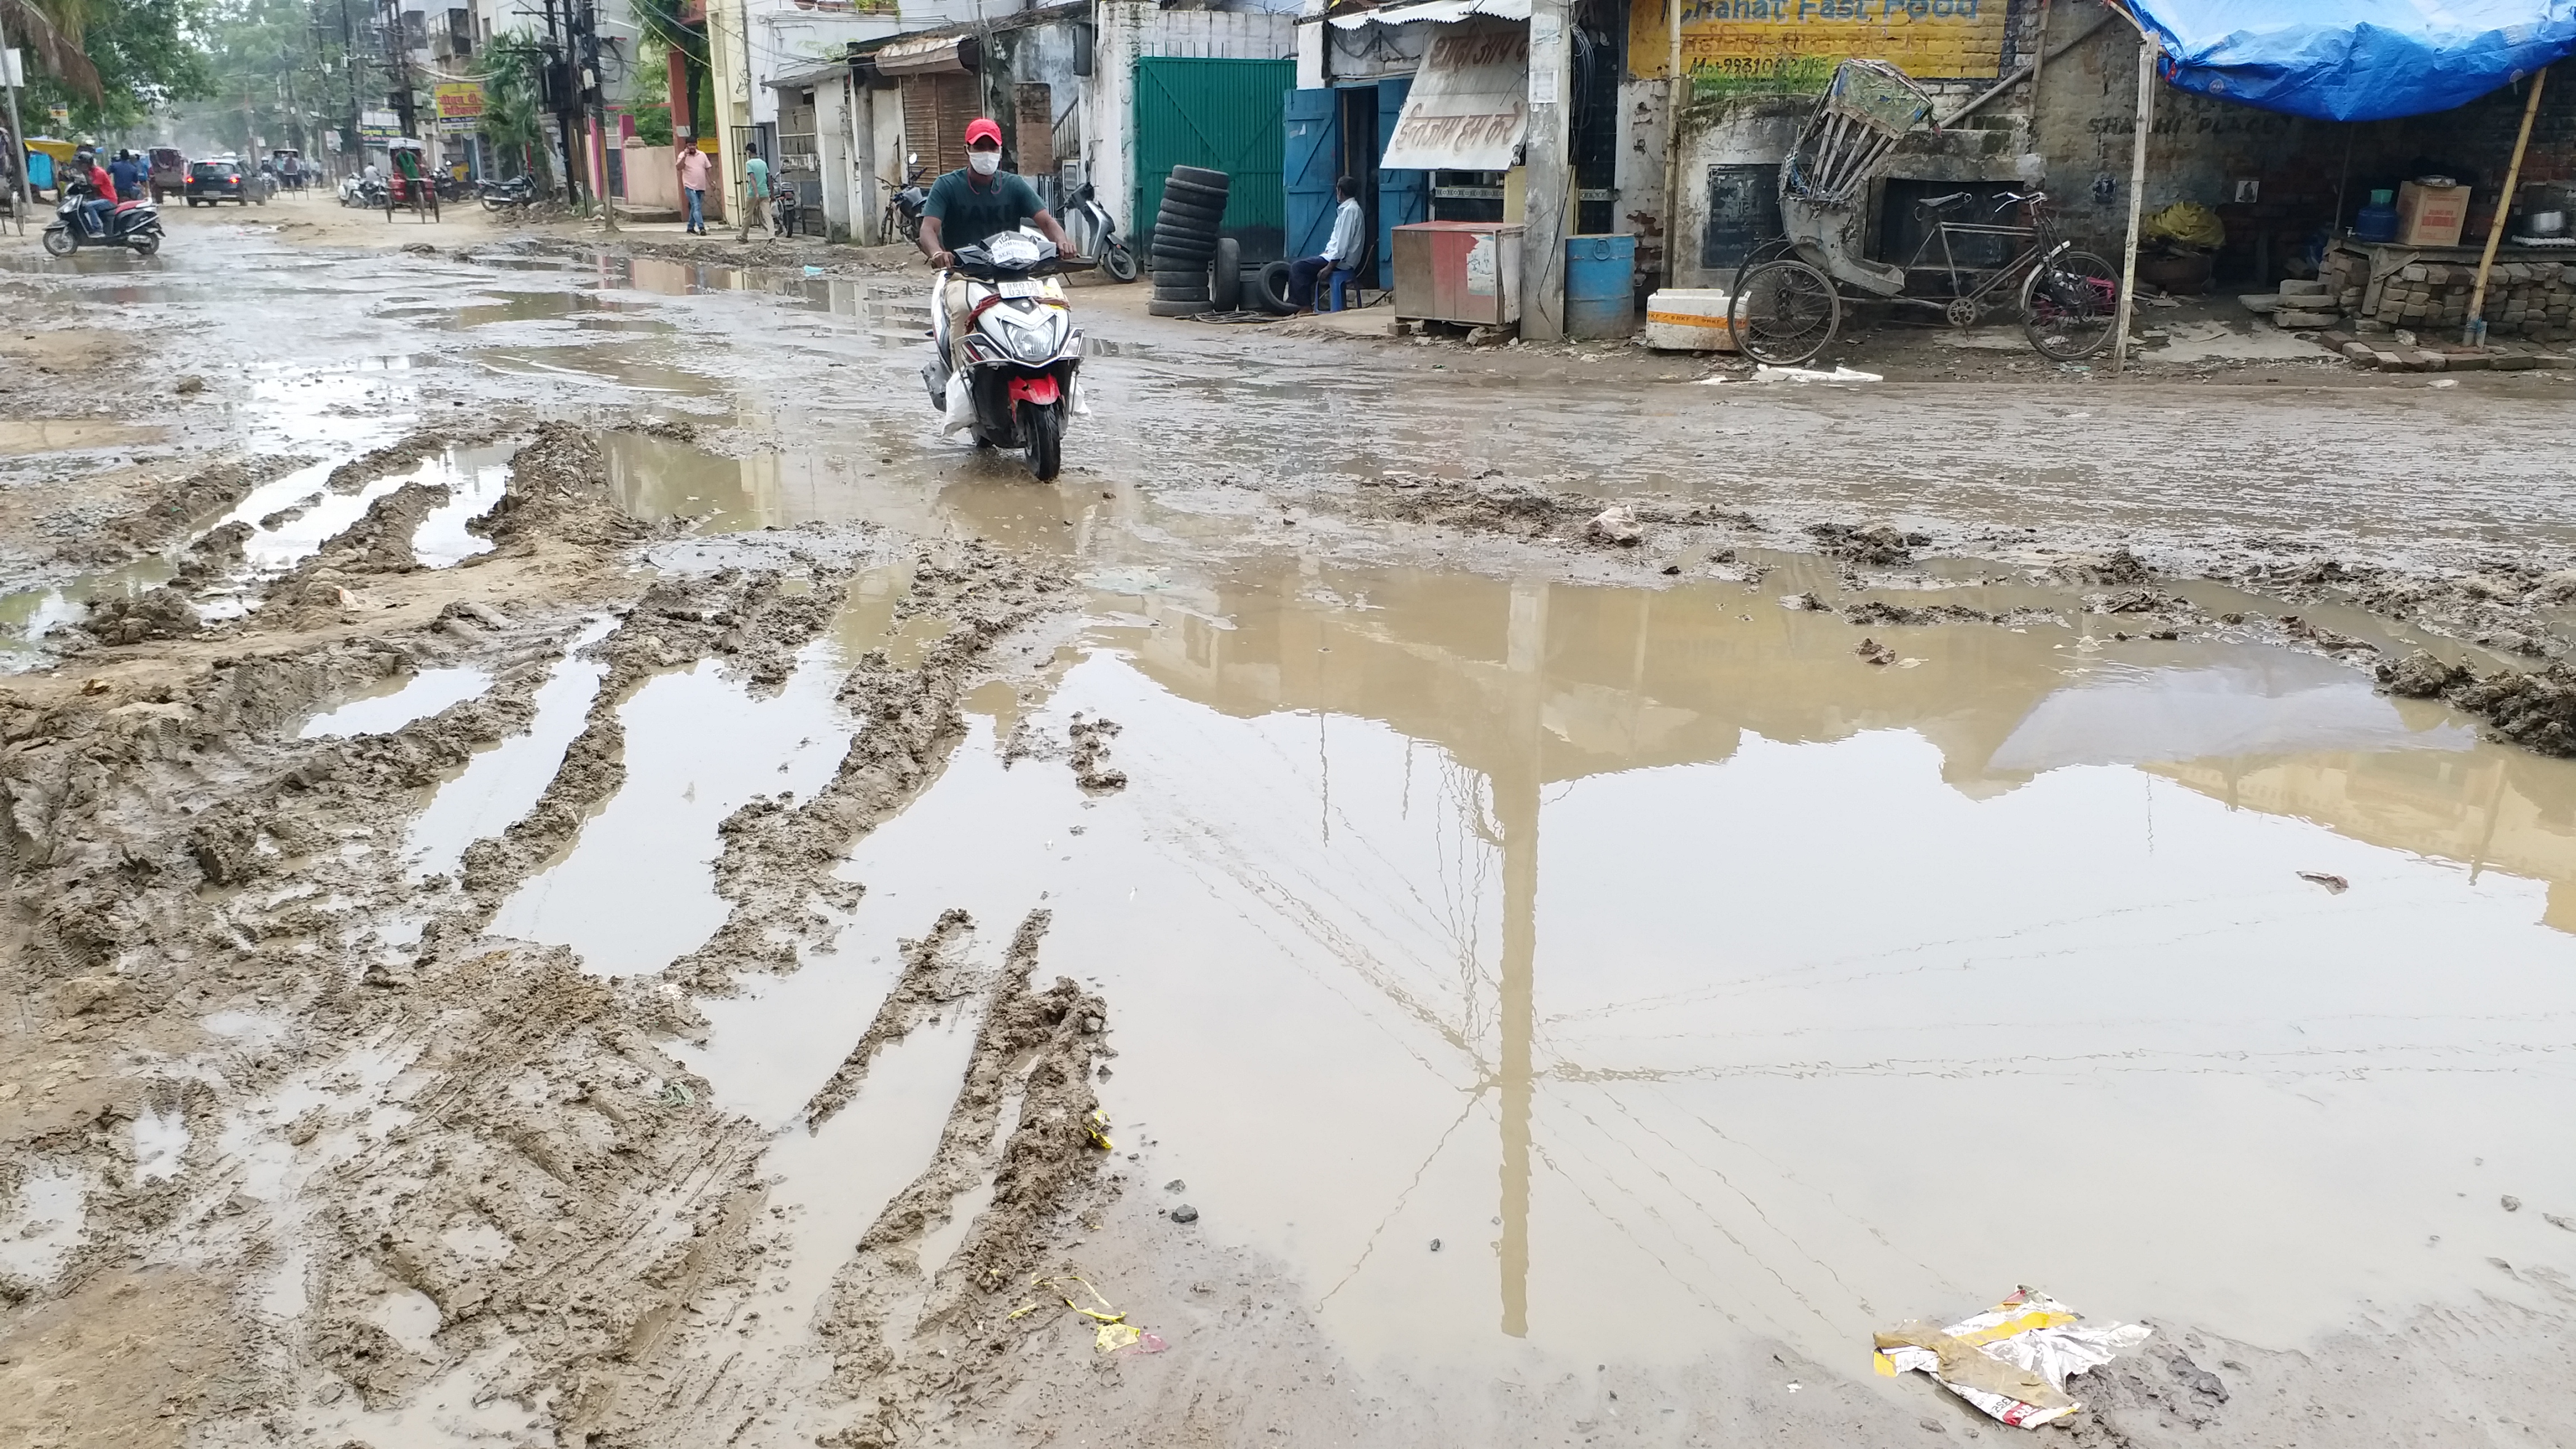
column 1733, row 44
column 460, row 101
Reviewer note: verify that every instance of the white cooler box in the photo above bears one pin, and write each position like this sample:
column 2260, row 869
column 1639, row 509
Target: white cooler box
column 1689, row 319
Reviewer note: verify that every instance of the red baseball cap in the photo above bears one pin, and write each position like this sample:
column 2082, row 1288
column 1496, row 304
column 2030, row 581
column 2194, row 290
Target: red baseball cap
column 983, row 129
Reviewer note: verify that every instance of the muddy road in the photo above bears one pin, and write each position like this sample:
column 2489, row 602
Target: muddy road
column 577, row 877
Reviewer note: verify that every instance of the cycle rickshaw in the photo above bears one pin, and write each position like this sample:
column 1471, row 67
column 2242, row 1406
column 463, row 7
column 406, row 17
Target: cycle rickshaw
column 1789, row 294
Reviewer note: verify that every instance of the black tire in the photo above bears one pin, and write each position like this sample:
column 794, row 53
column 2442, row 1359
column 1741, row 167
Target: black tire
column 1169, row 279
column 1195, row 293
column 1270, row 289
column 1189, row 227
column 59, row 242
column 2069, row 306
column 1225, row 276
column 1161, row 308
column 1184, row 256
column 1201, row 176
column 1787, row 312
column 1188, row 195
column 1178, row 209
column 1119, row 262
column 146, row 243
column 1189, row 234
column 1042, row 424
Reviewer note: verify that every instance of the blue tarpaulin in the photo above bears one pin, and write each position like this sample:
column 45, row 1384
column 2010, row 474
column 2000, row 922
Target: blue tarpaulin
column 2355, row 60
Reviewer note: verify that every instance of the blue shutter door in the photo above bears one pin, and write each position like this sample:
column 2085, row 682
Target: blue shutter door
column 1307, row 168
column 1403, row 197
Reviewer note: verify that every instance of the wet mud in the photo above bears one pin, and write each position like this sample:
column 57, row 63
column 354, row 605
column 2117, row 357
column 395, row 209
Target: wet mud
column 670, row 908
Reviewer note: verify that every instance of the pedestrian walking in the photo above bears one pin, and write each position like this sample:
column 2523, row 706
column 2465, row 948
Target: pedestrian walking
column 694, row 174
column 755, row 190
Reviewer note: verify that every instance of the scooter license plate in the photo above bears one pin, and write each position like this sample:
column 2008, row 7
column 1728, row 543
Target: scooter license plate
column 1022, row 287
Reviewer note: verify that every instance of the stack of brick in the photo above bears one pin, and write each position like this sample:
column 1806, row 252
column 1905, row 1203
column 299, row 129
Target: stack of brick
column 2524, row 299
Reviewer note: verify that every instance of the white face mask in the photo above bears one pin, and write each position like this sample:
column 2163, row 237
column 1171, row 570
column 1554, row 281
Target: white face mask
column 984, row 162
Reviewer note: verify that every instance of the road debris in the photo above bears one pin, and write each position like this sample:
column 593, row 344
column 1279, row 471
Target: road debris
column 2334, row 884
column 2011, row 1361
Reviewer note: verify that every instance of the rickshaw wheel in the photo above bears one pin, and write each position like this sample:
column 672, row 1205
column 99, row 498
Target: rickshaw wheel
column 1761, row 254
column 1785, row 313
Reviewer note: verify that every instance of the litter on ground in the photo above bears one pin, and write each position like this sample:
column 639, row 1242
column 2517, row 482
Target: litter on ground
column 2013, row 1360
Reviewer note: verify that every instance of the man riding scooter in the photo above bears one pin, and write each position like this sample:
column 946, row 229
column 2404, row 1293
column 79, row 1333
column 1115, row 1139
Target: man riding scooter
column 970, row 207
column 101, row 201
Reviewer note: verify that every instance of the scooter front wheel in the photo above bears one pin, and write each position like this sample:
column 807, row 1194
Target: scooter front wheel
column 1042, row 424
column 59, row 242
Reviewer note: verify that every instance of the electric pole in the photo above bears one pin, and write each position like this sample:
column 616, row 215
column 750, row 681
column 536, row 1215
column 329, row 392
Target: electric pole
column 594, row 92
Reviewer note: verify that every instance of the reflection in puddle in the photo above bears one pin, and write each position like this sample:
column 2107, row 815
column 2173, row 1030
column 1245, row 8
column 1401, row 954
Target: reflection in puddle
column 606, row 364
column 475, row 478
column 1629, row 941
column 401, row 701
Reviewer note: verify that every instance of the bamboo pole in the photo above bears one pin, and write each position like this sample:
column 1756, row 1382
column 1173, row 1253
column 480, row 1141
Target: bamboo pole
column 1676, row 101
column 2137, row 184
column 2473, row 333
column 18, row 139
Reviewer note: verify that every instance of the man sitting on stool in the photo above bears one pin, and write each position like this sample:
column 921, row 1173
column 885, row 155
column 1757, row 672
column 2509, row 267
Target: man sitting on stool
column 1306, row 275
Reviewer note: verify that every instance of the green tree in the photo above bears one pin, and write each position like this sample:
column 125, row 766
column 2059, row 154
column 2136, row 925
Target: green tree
column 652, row 97
column 141, row 56
column 514, row 120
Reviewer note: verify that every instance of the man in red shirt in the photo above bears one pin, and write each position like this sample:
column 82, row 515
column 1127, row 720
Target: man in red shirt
column 101, row 202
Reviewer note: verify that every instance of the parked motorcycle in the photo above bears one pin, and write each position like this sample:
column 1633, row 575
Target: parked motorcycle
column 135, row 225
column 503, row 195
column 903, row 208
column 1091, row 224
column 362, row 191
column 1021, row 352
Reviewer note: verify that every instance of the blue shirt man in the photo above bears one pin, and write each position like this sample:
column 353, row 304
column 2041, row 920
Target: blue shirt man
column 1341, row 252
column 129, row 174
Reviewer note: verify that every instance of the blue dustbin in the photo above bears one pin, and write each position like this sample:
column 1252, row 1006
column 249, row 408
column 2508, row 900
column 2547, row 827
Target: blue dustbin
column 1600, row 286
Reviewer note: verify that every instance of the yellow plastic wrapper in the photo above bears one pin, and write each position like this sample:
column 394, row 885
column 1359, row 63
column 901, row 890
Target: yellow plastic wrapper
column 2186, row 223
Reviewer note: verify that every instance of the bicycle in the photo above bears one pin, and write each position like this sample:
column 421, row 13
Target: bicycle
column 1788, row 309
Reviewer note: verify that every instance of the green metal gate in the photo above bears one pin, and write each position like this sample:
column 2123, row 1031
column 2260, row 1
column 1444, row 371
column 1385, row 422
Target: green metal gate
column 1224, row 115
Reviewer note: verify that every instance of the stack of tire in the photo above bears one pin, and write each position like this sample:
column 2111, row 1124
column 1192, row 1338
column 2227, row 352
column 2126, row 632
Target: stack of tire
column 1195, row 270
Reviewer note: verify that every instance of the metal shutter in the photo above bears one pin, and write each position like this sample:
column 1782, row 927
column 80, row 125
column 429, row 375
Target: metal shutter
column 936, row 109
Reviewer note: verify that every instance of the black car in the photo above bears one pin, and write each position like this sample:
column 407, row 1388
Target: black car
column 211, row 183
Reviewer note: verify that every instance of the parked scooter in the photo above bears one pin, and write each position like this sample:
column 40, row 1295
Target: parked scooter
column 903, row 208
column 135, row 225
column 362, row 191
column 502, row 195
column 1021, row 351
column 1097, row 233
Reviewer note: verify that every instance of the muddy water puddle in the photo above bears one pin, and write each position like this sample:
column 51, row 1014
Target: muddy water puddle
column 636, row 890
column 1687, row 978
column 397, row 703
column 499, row 786
column 76, row 435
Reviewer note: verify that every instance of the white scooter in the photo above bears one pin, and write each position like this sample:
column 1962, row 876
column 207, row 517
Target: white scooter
column 1021, row 351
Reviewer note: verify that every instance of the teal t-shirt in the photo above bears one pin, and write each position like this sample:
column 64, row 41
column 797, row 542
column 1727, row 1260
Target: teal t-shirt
column 973, row 209
column 758, row 172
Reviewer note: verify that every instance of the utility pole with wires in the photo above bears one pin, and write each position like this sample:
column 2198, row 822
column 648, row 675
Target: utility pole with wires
column 398, row 70
column 563, row 94
column 586, row 49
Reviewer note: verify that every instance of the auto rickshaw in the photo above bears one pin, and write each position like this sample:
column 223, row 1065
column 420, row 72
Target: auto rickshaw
column 409, row 183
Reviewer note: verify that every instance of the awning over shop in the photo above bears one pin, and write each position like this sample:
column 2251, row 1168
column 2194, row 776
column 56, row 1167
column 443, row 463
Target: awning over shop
column 928, row 56
column 1469, row 107
column 808, row 77
column 1438, row 12
column 2355, row 60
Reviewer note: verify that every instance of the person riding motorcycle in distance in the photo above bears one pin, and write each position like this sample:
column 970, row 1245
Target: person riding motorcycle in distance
column 971, row 206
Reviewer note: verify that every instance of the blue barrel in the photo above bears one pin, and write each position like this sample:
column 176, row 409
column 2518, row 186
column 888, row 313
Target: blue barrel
column 1600, row 286
column 2378, row 221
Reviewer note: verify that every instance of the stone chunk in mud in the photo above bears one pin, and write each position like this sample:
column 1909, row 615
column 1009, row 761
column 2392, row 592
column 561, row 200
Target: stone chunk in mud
column 2143, row 601
column 219, row 550
column 1091, row 756
column 1879, row 545
column 1874, row 652
column 558, row 489
column 2329, row 640
column 2421, row 676
column 1879, row 612
column 162, row 613
column 2122, row 567
column 1496, row 507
